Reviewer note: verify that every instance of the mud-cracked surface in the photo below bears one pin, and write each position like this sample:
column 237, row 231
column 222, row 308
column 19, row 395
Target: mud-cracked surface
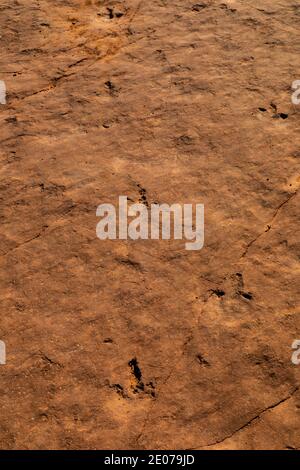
column 142, row 344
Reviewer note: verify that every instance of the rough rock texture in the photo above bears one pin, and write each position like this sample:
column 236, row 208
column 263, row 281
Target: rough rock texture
column 142, row 344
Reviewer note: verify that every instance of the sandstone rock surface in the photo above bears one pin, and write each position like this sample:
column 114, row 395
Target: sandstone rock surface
column 142, row 344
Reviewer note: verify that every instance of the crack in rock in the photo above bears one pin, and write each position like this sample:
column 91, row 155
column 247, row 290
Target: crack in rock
column 269, row 225
column 252, row 420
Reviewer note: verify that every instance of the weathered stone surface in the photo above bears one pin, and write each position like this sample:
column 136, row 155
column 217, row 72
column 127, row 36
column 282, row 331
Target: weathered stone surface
column 142, row 344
